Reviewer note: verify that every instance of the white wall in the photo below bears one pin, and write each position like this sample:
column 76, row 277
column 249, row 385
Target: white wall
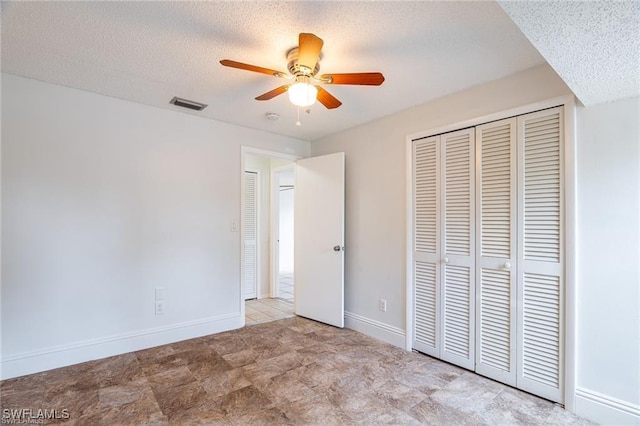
column 102, row 201
column 608, row 259
column 608, row 186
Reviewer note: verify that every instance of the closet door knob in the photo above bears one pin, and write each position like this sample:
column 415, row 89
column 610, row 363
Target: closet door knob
column 507, row 265
column 445, row 260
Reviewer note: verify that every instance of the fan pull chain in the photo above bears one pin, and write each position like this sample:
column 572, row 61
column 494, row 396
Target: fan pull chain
column 298, row 123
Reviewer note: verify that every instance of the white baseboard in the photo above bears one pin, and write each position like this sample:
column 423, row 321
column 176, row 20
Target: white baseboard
column 376, row 329
column 74, row 353
column 606, row 410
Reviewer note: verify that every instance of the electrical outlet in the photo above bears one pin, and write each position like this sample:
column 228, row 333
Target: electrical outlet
column 382, row 305
column 159, row 307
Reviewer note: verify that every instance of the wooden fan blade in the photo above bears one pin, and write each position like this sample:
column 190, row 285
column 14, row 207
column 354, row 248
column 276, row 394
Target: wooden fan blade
column 273, row 93
column 309, row 47
column 240, row 65
column 327, row 99
column 358, row 78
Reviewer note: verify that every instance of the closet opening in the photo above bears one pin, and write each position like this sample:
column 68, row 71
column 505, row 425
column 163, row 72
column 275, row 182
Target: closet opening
column 489, row 287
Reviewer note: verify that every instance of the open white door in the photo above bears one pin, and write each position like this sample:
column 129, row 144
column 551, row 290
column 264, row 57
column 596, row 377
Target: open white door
column 319, row 239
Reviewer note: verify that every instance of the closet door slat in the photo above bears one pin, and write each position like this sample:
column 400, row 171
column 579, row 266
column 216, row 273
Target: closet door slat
column 496, row 250
column 250, row 230
column 426, row 187
column 458, row 230
column 540, row 253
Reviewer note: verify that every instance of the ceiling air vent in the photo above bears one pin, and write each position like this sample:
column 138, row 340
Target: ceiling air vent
column 185, row 103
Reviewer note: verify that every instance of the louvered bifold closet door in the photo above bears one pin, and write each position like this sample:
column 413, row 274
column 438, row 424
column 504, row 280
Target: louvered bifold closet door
column 457, row 298
column 426, row 163
column 250, row 232
column 496, row 250
column 540, row 252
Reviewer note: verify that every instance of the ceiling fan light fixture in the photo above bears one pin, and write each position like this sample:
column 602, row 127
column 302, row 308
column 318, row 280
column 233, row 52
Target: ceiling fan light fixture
column 303, row 94
column 303, row 65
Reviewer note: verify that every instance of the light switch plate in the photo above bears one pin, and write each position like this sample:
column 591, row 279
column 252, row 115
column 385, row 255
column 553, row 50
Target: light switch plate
column 382, row 305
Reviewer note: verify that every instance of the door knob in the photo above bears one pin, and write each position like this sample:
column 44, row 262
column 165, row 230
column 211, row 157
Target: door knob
column 445, row 260
column 337, row 248
column 507, row 265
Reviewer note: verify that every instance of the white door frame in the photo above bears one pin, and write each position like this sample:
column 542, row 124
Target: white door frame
column 244, row 150
column 569, row 234
column 274, row 259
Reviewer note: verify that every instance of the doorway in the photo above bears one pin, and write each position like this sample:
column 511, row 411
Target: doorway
column 283, row 191
column 272, row 265
column 319, row 235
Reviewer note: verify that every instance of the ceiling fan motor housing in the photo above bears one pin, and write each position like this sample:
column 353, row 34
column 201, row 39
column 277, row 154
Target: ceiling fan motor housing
column 297, row 70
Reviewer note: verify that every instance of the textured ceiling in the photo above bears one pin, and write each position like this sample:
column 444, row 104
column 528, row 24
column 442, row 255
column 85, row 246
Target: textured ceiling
column 149, row 52
column 593, row 45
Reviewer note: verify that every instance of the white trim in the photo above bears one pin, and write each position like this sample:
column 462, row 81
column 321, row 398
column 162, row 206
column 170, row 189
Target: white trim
column 500, row 115
column 570, row 252
column 87, row 350
column 605, row 409
column 570, row 224
column 241, row 305
column 409, row 326
column 244, row 149
column 376, row 329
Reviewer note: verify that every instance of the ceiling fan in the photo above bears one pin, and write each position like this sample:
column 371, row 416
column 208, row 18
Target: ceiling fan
column 303, row 65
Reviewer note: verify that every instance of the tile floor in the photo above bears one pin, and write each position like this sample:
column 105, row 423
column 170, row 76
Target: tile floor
column 264, row 310
column 291, row 371
column 286, row 286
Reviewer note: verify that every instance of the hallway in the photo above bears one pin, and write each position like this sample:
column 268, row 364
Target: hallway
column 265, row 310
